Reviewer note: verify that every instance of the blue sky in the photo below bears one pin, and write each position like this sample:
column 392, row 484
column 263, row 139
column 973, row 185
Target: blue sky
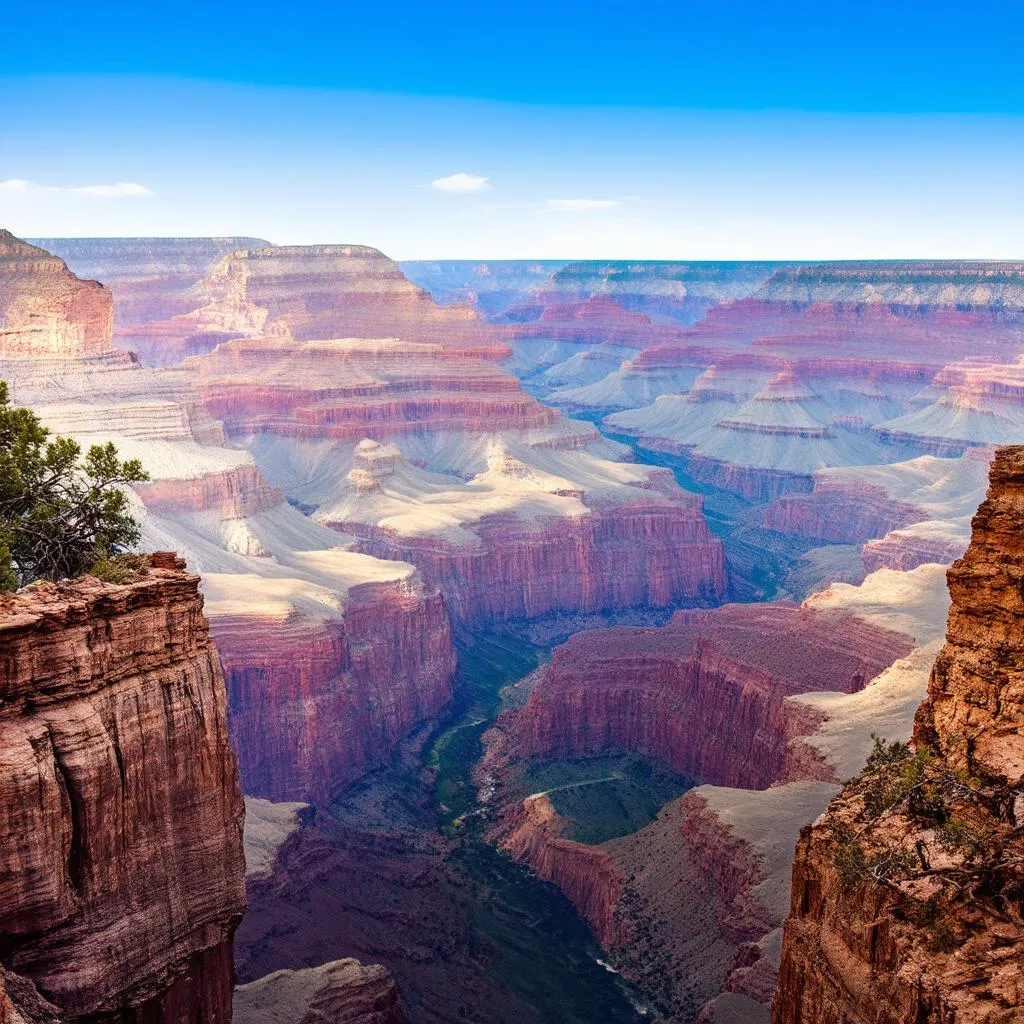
column 604, row 129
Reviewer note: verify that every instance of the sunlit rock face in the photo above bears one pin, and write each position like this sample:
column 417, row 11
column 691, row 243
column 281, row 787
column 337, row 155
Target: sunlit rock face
column 705, row 693
column 904, row 514
column 44, row 308
column 433, row 454
column 304, row 292
column 341, row 991
column 121, row 869
column 149, row 278
column 931, row 940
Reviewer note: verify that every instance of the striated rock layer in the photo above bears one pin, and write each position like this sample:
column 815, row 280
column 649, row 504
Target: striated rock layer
column 121, row 866
column 911, row 910
column 45, row 309
column 306, row 292
column 706, row 693
column 433, row 455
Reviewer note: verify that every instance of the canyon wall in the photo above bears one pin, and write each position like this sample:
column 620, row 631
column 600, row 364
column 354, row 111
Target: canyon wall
column 44, row 308
column 779, row 699
column 149, row 278
column 906, row 893
column 706, row 693
column 121, row 866
column 305, row 292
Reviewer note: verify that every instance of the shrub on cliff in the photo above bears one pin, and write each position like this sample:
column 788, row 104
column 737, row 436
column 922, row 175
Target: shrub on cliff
column 60, row 512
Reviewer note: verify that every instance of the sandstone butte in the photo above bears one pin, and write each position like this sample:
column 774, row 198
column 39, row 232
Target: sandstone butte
column 939, row 938
column 305, row 292
column 121, row 864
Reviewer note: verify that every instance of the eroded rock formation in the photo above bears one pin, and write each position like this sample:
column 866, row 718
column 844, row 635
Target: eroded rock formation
column 706, row 693
column 121, row 866
column 906, row 899
column 335, row 654
column 339, row 992
column 45, row 309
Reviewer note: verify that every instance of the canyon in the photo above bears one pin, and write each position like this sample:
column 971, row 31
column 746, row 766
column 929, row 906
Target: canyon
column 468, row 560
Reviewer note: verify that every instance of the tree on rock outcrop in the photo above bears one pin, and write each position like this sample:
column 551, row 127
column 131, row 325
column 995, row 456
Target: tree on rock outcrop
column 60, row 513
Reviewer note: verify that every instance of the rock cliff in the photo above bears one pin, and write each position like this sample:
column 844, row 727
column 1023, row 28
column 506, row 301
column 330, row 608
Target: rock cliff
column 45, row 309
column 121, row 865
column 306, row 292
column 906, row 896
column 706, row 693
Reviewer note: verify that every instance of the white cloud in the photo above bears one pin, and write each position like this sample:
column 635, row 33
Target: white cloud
column 582, row 205
column 459, row 183
column 119, row 190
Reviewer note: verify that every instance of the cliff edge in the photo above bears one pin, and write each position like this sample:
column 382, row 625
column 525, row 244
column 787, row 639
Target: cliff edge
column 121, row 863
column 908, row 893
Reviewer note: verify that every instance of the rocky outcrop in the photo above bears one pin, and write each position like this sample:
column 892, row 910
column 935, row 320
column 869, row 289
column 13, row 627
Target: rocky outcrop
column 45, row 309
column 840, row 512
column 651, row 553
column 339, row 992
column 121, row 867
column 906, row 893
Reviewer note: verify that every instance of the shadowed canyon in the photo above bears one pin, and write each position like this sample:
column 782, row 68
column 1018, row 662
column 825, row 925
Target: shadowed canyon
column 540, row 611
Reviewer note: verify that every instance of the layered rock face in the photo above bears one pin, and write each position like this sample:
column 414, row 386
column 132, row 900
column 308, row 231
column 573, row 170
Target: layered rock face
column 705, row 693
column 45, row 309
column 907, row 907
column 507, row 507
column 322, row 697
column 305, row 292
column 121, row 866
column 358, row 388
column 814, row 367
column 520, row 541
column 905, row 514
column 149, row 278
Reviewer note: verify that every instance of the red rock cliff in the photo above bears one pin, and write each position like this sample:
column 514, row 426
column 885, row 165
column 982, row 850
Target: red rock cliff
column 121, row 865
column 705, row 693
column 907, row 893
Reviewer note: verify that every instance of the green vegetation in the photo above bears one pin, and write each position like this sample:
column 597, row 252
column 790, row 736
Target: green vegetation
column 919, row 819
column 487, row 664
column 61, row 514
column 605, row 797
